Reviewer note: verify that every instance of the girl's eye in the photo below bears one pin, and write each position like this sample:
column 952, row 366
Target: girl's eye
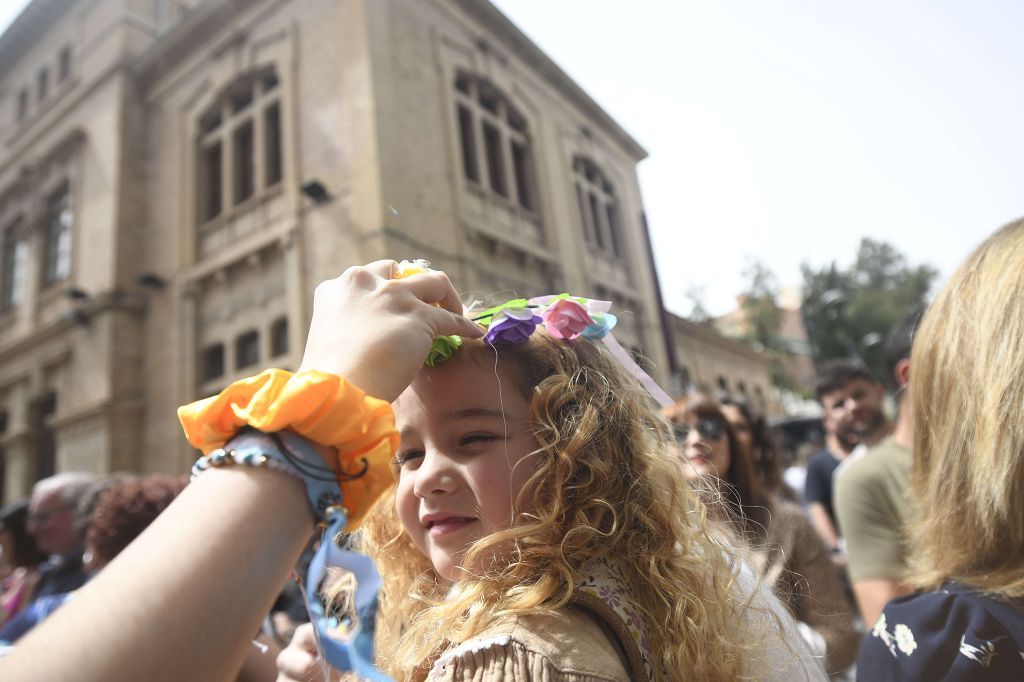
column 473, row 438
column 403, row 458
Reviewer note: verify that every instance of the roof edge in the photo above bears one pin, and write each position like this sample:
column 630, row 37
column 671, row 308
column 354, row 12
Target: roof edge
column 709, row 334
column 530, row 52
column 24, row 32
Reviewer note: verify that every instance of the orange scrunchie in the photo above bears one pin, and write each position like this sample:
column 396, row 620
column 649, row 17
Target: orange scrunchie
column 322, row 407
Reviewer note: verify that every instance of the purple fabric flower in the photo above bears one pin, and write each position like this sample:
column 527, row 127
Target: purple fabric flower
column 511, row 325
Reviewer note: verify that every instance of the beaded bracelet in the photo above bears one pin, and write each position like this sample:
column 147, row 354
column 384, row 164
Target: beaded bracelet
column 296, row 458
column 222, row 457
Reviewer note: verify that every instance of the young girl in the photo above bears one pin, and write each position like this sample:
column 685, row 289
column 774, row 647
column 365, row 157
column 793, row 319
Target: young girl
column 786, row 551
column 534, row 527
column 537, row 516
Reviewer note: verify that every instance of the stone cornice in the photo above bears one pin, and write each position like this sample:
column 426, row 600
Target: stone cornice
column 111, row 301
column 24, row 32
column 198, row 27
column 684, row 328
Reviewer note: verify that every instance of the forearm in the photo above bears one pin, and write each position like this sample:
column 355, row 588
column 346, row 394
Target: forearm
column 823, row 524
column 872, row 596
column 185, row 599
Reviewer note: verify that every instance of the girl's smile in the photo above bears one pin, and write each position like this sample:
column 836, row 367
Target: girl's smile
column 443, row 524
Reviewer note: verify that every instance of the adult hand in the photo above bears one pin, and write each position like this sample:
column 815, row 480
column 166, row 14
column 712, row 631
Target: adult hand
column 376, row 331
column 299, row 661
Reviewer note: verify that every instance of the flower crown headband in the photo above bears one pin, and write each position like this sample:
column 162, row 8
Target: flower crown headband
column 563, row 316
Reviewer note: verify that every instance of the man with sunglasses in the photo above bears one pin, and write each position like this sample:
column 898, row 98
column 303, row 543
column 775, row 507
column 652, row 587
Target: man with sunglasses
column 51, row 521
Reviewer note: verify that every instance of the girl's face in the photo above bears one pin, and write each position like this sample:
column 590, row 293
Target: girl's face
column 462, row 458
column 705, row 443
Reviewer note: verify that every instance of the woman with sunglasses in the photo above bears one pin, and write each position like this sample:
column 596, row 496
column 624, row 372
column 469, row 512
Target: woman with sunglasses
column 787, row 551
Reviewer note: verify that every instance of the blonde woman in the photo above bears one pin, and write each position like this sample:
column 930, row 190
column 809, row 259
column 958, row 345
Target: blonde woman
column 967, row 556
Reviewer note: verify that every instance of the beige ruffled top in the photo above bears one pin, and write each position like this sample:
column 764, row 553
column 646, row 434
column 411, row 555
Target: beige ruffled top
column 599, row 638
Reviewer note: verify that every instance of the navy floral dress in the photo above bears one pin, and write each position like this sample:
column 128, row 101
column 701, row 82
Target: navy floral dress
column 953, row 634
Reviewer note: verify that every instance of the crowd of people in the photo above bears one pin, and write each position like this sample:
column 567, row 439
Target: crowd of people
column 533, row 512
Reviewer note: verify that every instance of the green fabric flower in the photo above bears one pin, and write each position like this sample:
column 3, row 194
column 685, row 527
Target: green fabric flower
column 442, row 349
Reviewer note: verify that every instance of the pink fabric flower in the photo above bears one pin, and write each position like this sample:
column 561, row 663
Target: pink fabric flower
column 566, row 319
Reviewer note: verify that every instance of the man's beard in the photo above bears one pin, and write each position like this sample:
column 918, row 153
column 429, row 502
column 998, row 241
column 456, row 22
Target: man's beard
column 857, row 432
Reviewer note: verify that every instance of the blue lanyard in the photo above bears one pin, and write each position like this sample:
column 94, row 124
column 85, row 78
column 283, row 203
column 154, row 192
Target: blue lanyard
column 355, row 655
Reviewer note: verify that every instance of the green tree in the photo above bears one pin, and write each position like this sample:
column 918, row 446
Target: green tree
column 698, row 309
column 762, row 318
column 760, row 309
column 849, row 312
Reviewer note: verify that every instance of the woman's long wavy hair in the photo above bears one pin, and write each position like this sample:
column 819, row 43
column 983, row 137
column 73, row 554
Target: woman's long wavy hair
column 740, row 494
column 967, row 390
column 604, row 488
column 766, row 457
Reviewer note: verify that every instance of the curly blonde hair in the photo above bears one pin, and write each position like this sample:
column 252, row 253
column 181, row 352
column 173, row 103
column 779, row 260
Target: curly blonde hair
column 604, row 489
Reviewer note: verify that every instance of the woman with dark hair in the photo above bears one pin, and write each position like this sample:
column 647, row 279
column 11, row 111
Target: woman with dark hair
column 19, row 560
column 787, row 551
column 753, row 433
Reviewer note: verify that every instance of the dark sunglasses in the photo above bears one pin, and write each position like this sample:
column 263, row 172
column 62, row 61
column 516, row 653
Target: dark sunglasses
column 711, row 428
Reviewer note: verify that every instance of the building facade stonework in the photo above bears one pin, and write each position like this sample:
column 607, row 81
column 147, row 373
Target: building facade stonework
column 176, row 177
column 715, row 365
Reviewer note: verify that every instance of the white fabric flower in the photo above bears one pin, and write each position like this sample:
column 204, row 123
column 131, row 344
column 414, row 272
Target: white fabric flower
column 905, row 639
column 983, row 654
column 880, row 628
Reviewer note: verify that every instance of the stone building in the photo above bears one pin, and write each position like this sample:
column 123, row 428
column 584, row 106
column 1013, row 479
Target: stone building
column 715, row 365
column 177, row 176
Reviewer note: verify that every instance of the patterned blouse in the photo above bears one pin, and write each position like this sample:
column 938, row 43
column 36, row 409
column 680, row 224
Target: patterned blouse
column 953, row 634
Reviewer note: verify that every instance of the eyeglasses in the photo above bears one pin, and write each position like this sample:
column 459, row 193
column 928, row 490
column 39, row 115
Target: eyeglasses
column 711, row 428
column 41, row 517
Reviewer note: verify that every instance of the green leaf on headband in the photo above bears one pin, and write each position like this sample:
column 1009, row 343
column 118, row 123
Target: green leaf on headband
column 485, row 317
column 442, row 349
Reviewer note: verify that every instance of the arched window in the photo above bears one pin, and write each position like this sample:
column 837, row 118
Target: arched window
column 13, row 260
column 494, row 141
column 57, row 247
column 239, row 151
column 599, row 207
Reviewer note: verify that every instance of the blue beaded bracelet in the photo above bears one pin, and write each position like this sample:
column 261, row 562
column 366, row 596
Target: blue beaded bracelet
column 285, row 452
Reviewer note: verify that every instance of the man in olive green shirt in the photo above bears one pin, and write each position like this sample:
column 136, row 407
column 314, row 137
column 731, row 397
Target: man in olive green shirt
column 873, row 497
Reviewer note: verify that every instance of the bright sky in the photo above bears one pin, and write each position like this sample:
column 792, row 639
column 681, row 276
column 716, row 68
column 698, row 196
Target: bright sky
column 786, row 131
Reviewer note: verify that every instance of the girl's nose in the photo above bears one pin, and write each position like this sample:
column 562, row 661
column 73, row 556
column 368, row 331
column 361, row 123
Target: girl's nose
column 436, row 475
